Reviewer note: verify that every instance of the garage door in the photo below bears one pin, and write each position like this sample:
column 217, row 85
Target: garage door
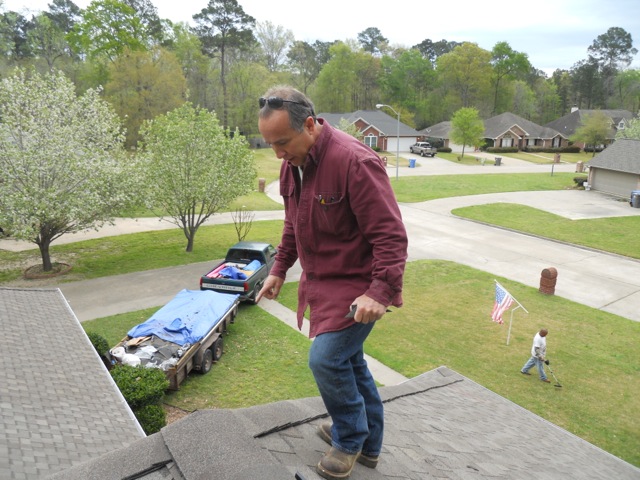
column 616, row 183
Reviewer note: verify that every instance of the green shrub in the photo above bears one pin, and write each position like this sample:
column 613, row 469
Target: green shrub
column 140, row 386
column 444, row 150
column 99, row 343
column 436, row 142
column 570, row 149
column 151, row 417
column 579, row 180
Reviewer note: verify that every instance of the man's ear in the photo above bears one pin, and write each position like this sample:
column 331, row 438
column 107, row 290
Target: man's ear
column 310, row 124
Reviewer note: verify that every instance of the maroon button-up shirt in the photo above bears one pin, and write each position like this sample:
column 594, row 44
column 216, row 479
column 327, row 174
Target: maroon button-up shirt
column 343, row 222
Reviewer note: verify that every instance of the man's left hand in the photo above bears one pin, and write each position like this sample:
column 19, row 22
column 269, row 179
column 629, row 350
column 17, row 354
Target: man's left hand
column 368, row 310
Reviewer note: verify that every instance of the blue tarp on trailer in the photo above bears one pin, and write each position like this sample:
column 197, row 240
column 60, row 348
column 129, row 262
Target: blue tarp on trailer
column 187, row 318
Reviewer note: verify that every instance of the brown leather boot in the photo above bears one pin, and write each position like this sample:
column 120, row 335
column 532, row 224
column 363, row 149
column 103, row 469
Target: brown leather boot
column 336, row 464
column 324, row 432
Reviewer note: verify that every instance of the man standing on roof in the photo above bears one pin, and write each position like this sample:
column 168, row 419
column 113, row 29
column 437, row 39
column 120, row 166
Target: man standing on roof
column 538, row 353
column 343, row 223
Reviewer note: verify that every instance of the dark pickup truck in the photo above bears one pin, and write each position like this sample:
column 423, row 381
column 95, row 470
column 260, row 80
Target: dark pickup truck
column 243, row 271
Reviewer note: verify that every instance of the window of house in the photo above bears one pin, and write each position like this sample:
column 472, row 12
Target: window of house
column 371, row 141
column 556, row 142
column 506, row 142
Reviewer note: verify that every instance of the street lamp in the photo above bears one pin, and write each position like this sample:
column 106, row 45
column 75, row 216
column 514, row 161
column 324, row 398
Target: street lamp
column 379, row 106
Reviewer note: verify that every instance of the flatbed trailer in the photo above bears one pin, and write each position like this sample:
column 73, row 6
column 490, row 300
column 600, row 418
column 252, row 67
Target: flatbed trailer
column 193, row 340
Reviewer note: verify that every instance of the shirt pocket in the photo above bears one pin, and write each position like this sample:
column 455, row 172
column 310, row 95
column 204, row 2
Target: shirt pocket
column 332, row 212
column 286, row 189
column 287, row 192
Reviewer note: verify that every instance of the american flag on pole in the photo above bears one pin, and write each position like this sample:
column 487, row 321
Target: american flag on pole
column 502, row 303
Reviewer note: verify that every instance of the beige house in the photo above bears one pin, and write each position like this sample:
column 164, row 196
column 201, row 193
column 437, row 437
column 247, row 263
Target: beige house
column 616, row 170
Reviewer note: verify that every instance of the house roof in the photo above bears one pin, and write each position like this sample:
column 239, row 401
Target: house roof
column 58, row 404
column 63, row 417
column 439, row 130
column 385, row 124
column 622, row 156
column 438, row 425
column 568, row 124
column 497, row 126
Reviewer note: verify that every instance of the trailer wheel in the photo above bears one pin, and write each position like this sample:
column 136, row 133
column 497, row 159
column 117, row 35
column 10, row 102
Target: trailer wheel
column 217, row 349
column 207, row 361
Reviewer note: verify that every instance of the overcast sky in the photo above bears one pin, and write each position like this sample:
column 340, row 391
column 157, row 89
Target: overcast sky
column 554, row 33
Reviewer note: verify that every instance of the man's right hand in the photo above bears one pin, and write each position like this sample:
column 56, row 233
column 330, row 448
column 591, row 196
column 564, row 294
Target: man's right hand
column 271, row 288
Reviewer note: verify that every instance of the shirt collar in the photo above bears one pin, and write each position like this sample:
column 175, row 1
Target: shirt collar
column 320, row 145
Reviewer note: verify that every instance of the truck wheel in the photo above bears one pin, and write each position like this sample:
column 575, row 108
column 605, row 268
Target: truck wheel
column 217, row 349
column 207, row 361
column 422, row 154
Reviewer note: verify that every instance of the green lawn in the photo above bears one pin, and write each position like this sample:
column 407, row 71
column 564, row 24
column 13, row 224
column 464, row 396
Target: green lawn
column 616, row 234
column 445, row 321
column 136, row 252
column 423, row 188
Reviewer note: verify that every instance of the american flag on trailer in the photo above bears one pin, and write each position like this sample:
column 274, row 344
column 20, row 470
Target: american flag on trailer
column 502, row 303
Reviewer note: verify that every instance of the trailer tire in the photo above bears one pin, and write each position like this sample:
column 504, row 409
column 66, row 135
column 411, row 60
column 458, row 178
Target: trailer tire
column 217, row 349
column 207, row 361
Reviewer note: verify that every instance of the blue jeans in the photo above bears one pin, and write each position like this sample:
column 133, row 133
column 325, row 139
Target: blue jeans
column 348, row 389
column 538, row 363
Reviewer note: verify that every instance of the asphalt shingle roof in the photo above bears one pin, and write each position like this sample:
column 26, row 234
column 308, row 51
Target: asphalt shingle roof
column 438, row 425
column 58, row 404
column 496, row 126
column 622, row 156
column 439, row 130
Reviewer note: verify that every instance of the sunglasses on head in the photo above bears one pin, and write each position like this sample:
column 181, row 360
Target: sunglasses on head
column 276, row 102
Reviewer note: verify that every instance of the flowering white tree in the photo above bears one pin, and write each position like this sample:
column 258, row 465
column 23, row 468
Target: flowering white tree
column 193, row 167
column 62, row 168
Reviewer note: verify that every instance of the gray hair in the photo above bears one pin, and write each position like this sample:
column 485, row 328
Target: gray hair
column 298, row 111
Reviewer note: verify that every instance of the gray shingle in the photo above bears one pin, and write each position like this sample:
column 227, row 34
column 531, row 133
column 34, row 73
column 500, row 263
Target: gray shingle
column 58, row 404
column 438, row 425
column 621, row 156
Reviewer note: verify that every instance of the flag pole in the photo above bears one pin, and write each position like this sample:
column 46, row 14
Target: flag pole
column 514, row 298
column 513, row 310
column 511, row 321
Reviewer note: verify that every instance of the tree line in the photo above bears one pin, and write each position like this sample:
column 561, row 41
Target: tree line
column 147, row 65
